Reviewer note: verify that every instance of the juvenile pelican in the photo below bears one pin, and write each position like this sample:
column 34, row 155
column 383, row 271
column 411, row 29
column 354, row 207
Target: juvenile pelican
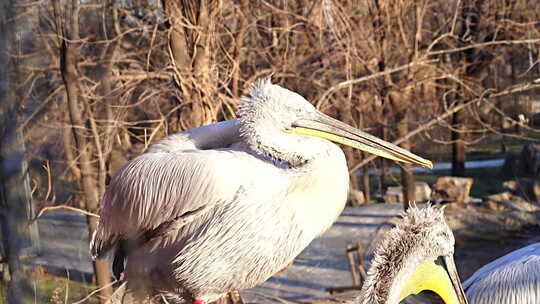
column 193, row 218
column 414, row 256
column 510, row 279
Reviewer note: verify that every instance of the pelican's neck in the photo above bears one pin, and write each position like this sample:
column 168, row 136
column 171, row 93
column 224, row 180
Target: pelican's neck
column 377, row 289
column 389, row 270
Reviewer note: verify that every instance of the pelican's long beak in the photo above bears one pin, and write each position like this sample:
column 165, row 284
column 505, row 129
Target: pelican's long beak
column 324, row 126
column 439, row 276
column 454, row 278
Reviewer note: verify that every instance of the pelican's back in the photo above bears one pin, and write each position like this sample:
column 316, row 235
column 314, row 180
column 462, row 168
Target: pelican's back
column 511, row 279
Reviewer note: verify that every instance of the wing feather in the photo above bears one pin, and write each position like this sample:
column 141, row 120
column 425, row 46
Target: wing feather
column 157, row 188
column 513, row 278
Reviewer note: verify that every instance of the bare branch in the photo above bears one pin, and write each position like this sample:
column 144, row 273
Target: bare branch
column 482, row 45
column 509, row 91
column 66, row 207
column 320, row 103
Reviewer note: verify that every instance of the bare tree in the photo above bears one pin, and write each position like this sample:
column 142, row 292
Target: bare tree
column 19, row 235
column 68, row 33
column 191, row 40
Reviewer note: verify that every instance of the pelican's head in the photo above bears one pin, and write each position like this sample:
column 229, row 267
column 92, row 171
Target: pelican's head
column 283, row 124
column 416, row 255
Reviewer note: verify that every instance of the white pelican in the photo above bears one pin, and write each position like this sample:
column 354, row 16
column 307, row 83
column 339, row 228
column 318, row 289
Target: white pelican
column 194, row 218
column 510, row 279
column 416, row 255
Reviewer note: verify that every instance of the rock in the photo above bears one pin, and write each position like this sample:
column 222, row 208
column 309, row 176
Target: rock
column 356, row 198
column 518, row 205
column 522, row 188
column 494, row 206
column 525, row 163
column 529, row 190
column 452, row 189
column 504, row 201
column 510, row 185
column 519, row 198
column 422, row 193
column 536, row 192
column 505, row 196
column 393, row 195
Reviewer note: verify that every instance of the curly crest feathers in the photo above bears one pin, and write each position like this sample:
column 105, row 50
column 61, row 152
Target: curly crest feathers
column 421, row 234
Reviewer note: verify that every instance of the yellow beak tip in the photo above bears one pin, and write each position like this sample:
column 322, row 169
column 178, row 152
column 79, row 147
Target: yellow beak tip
column 429, row 164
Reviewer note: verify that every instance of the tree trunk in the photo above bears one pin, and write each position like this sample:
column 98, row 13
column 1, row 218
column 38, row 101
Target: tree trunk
column 458, row 145
column 104, row 150
column 345, row 115
column 383, row 162
column 20, row 238
column 88, row 179
column 365, row 170
column 353, row 177
column 365, row 184
column 243, row 7
column 468, row 65
column 190, row 53
column 400, row 105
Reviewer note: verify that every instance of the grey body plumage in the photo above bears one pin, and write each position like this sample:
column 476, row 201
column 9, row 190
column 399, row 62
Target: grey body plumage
column 511, row 279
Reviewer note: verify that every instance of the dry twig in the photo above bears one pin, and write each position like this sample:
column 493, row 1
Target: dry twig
column 59, row 207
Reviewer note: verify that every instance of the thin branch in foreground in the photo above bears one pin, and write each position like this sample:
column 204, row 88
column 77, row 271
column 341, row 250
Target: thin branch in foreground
column 94, row 292
column 52, row 208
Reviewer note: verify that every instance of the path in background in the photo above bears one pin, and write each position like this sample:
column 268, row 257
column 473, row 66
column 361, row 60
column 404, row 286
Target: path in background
column 472, row 164
column 64, row 244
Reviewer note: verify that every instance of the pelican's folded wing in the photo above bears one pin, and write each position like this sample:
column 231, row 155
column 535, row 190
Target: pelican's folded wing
column 156, row 190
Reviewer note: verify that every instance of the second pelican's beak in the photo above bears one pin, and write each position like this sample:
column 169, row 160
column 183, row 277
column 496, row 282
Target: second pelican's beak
column 439, row 276
column 329, row 128
column 450, row 266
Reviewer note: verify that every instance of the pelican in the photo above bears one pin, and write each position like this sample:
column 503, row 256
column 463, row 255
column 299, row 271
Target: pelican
column 223, row 207
column 416, row 255
column 510, row 279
